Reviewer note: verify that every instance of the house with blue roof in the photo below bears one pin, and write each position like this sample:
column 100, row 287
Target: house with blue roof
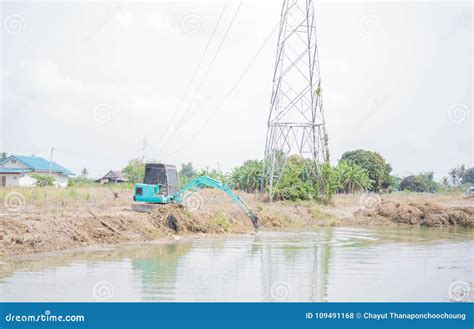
column 18, row 170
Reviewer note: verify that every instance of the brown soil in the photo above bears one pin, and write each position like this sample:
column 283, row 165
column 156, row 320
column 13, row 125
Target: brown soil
column 426, row 214
column 75, row 224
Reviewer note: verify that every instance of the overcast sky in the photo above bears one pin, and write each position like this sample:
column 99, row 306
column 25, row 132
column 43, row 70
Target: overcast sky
column 92, row 79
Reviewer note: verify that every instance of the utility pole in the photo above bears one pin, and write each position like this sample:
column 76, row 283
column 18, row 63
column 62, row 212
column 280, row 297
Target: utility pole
column 51, row 161
column 296, row 121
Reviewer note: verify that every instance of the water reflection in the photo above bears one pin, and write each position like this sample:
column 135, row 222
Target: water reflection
column 329, row 264
column 158, row 269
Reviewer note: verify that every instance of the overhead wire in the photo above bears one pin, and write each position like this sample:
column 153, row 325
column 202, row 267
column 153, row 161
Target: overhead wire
column 204, row 77
column 227, row 95
column 201, row 60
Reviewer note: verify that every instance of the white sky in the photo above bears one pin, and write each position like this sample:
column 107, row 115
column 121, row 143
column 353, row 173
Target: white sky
column 93, row 78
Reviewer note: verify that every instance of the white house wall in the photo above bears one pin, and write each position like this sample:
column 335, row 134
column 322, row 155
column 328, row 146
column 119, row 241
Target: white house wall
column 27, row 180
column 11, row 179
column 60, row 180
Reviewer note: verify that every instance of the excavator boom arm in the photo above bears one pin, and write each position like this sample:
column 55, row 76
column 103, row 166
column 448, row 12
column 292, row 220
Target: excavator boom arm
column 205, row 181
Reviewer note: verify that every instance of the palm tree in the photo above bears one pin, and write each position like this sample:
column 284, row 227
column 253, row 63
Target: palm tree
column 351, row 178
column 248, row 176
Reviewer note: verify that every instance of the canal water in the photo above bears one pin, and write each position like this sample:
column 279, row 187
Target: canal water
column 329, row 264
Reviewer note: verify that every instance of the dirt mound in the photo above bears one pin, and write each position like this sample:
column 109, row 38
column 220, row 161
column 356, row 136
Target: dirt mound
column 426, row 214
column 45, row 231
column 41, row 230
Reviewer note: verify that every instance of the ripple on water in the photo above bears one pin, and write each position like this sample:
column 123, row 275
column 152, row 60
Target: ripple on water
column 328, row 264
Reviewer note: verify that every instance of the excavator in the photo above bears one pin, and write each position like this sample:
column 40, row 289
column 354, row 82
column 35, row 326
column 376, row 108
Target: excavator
column 161, row 186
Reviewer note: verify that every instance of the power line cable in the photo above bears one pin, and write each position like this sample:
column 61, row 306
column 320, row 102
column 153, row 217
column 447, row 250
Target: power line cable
column 228, row 94
column 205, row 76
column 195, row 72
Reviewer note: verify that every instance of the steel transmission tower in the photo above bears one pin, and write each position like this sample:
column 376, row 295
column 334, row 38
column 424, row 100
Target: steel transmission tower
column 296, row 121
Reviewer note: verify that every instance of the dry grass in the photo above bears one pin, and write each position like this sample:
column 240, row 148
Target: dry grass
column 53, row 197
column 109, row 195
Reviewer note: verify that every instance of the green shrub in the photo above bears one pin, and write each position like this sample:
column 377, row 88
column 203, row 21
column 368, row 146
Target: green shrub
column 247, row 177
column 220, row 223
column 350, row 177
column 297, row 181
column 43, row 180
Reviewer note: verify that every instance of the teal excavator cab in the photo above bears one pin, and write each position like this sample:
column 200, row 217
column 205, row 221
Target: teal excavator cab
column 161, row 186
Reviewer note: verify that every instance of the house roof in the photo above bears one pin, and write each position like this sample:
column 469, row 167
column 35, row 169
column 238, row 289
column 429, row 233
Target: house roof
column 13, row 170
column 114, row 174
column 39, row 164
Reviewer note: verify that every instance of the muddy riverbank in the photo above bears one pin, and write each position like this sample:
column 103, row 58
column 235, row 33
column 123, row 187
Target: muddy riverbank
column 62, row 224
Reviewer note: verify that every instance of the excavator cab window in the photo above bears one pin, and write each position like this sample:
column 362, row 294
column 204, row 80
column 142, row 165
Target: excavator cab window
column 165, row 176
column 173, row 179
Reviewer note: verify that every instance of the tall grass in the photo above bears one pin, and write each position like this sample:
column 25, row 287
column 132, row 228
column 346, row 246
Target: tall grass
column 107, row 195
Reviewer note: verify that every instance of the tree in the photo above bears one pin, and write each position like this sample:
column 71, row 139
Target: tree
column 187, row 170
column 412, row 183
column 445, row 181
column 214, row 173
column 395, row 183
column 461, row 175
column 453, row 173
column 134, row 171
column 374, row 164
column 296, row 182
column 247, row 177
column 351, row 178
column 43, row 180
column 461, row 171
column 468, row 176
column 84, row 172
column 419, row 183
column 3, row 156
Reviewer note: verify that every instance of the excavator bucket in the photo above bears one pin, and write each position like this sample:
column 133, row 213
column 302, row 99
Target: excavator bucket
column 255, row 221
